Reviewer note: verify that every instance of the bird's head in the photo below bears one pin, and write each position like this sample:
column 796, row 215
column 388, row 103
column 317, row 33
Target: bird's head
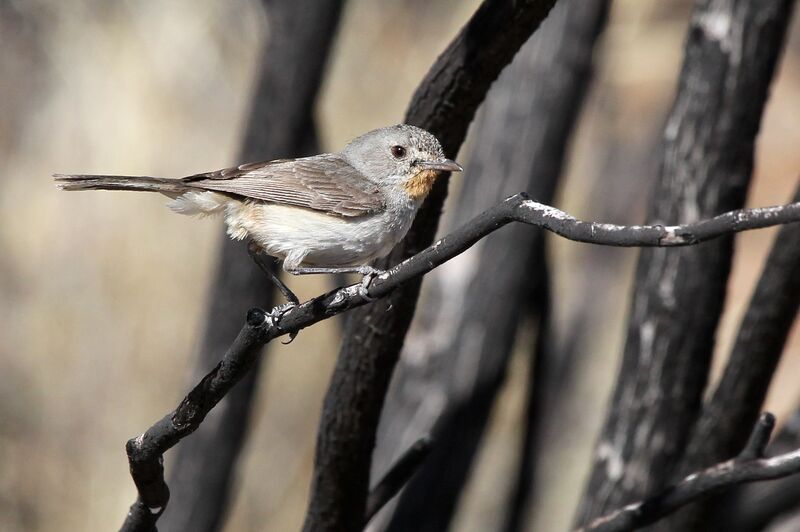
column 401, row 156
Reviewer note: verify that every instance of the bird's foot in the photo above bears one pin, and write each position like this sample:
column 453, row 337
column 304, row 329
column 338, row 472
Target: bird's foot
column 278, row 312
column 369, row 274
column 369, row 271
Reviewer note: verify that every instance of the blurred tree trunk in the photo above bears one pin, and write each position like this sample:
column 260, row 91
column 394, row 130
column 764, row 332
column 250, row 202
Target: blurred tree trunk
column 455, row 359
column 740, row 394
column 444, row 104
column 705, row 169
column 280, row 123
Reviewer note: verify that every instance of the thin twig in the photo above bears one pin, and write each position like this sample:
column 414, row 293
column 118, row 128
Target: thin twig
column 397, row 476
column 755, row 507
column 757, row 443
column 749, row 466
column 145, row 452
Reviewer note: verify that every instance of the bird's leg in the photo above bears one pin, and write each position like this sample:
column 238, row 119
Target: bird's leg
column 368, row 272
column 258, row 256
column 363, row 270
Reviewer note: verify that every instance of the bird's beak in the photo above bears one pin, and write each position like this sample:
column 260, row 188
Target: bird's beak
column 444, row 165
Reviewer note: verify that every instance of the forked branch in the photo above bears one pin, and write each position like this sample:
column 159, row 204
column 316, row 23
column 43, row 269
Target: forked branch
column 749, row 466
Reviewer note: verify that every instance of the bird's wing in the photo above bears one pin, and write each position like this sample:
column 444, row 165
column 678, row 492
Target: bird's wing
column 324, row 183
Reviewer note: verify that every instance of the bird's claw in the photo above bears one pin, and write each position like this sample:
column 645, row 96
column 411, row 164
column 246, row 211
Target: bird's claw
column 369, row 274
column 278, row 312
column 369, row 271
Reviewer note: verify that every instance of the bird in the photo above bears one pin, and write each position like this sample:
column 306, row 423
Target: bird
column 327, row 213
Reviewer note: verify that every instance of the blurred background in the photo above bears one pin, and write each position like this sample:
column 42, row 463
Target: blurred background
column 102, row 294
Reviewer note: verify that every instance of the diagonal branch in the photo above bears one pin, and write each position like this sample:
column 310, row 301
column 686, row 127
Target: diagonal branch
column 749, row 466
column 397, row 476
column 763, row 506
column 145, row 452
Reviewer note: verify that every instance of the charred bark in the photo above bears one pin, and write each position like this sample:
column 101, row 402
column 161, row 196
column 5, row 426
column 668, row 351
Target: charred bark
column 749, row 465
column 743, row 387
column 705, row 168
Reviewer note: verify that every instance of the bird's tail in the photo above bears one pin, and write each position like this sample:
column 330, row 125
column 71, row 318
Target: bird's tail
column 170, row 187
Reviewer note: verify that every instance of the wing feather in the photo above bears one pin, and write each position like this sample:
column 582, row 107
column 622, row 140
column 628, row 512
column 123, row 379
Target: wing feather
column 324, row 183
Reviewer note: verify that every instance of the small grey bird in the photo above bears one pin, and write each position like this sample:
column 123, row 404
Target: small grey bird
column 329, row 213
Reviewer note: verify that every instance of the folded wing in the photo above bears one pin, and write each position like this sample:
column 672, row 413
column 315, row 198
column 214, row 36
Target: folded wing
column 325, row 183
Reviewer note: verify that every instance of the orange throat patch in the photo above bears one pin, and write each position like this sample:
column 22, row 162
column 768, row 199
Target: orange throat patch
column 419, row 185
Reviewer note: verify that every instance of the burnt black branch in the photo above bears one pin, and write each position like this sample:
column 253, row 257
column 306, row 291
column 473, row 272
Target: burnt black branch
column 749, row 466
column 145, row 452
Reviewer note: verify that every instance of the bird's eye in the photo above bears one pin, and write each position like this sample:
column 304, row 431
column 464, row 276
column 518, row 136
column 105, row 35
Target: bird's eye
column 398, row 152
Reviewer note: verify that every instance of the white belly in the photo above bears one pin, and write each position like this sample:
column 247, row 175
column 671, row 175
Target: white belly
column 310, row 238
column 306, row 237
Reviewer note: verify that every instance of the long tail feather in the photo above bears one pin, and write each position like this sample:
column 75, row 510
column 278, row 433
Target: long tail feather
column 120, row 182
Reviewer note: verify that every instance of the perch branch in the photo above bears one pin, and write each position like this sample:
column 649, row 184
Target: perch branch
column 749, row 466
column 145, row 452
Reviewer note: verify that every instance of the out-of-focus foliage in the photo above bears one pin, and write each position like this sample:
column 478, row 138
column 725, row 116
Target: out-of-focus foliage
column 101, row 293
